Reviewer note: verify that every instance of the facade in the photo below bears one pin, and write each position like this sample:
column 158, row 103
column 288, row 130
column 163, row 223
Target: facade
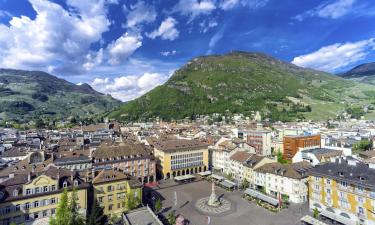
column 293, row 144
column 343, row 190
column 222, row 152
column 289, row 181
column 252, row 163
column 261, row 141
column 33, row 199
column 180, row 157
column 132, row 158
column 112, row 189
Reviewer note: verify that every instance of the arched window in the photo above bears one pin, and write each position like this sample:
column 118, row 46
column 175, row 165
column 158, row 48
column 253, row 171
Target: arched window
column 65, row 184
column 330, row 210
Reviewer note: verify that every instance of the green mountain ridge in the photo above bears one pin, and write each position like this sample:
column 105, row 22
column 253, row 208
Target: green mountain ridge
column 244, row 82
column 27, row 95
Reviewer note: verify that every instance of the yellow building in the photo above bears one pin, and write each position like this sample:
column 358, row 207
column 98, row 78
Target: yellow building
column 179, row 157
column 33, row 199
column 112, row 190
column 343, row 191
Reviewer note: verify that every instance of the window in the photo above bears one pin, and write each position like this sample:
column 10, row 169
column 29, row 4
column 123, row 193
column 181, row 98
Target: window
column 36, row 204
column 328, row 181
column 118, row 205
column 360, row 210
column 18, row 208
column 360, row 199
column 343, row 184
column 53, row 200
column 27, row 205
column 65, row 184
column 27, row 217
column 28, row 191
column 317, row 178
column 45, row 188
column 100, row 199
column 109, row 188
column 53, row 187
column 37, row 190
column 53, row 211
column 36, row 215
column 45, row 213
column 110, row 197
column 110, row 207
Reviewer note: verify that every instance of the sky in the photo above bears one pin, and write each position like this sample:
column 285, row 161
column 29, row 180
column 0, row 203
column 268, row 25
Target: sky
column 127, row 47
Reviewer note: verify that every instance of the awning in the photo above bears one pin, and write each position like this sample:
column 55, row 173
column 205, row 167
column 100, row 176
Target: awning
column 337, row 218
column 205, row 173
column 217, row 177
column 310, row 220
column 184, row 177
column 228, row 184
column 261, row 196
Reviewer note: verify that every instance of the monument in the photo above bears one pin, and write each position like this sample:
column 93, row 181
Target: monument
column 213, row 205
column 213, row 200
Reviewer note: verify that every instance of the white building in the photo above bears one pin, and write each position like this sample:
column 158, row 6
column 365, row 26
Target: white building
column 290, row 181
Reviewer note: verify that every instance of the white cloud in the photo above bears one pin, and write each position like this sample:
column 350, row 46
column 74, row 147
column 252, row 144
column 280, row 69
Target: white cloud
column 215, row 39
column 166, row 31
column 126, row 88
column 194, row 8
column 333, row 10
column 123, row 47
column 332, row 57
column 253, row 4
column 168, row 53
column 56, row 39
column 140, row 13
column 207, row 24
column 4, row 13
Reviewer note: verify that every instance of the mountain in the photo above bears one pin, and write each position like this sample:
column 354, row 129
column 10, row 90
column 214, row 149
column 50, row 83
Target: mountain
column 244, row 82
column 26, row 95
column 364, row 73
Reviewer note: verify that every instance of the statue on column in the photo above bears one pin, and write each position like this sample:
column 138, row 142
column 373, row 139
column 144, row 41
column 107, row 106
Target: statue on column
column 213, row 200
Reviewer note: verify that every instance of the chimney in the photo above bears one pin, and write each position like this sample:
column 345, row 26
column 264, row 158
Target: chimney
column 28, row 176
column 58, row 175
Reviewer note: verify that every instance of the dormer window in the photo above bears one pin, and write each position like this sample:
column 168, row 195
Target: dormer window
column 15, row 193
column 341, row 174
column 65, row 184
column 76, row 182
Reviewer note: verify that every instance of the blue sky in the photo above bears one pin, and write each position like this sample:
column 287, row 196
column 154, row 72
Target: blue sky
column 126, row 48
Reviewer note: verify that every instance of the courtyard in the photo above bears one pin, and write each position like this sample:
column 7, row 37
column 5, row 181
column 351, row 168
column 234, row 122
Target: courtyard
column 242, row 212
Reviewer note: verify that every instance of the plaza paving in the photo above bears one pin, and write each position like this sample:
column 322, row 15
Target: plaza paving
column 242, row 212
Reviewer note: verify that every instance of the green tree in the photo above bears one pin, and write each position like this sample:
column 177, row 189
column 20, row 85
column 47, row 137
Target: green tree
column 171, row 218
column 316, row 213
column 158, row 205
column 75, row 217
column 63, row 213
column 245, row 184
column 362, row 145
column 96, row 216
column 132, row 202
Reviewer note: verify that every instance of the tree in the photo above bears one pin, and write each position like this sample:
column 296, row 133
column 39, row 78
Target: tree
column 171, row 218
column 245, row 183
column 158, row 205
column 132, row 202
column 362, row 145
column 96, row 216
column 63, row 213
column 316, row 213
column 75, row 217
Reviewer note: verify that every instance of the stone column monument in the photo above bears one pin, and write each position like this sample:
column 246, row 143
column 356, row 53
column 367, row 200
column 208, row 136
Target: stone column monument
column 213, row 200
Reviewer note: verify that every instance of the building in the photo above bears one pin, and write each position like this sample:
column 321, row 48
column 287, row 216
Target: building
column 293, row 144
column 343, row 190
column 252, row 163
column 261, row 141
column 143, row 215
column 316, row 155
column 112, row 189
column 289, row 181
column 178, row 157
column 134, row 159
column 222, row 151
column 33, row 198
